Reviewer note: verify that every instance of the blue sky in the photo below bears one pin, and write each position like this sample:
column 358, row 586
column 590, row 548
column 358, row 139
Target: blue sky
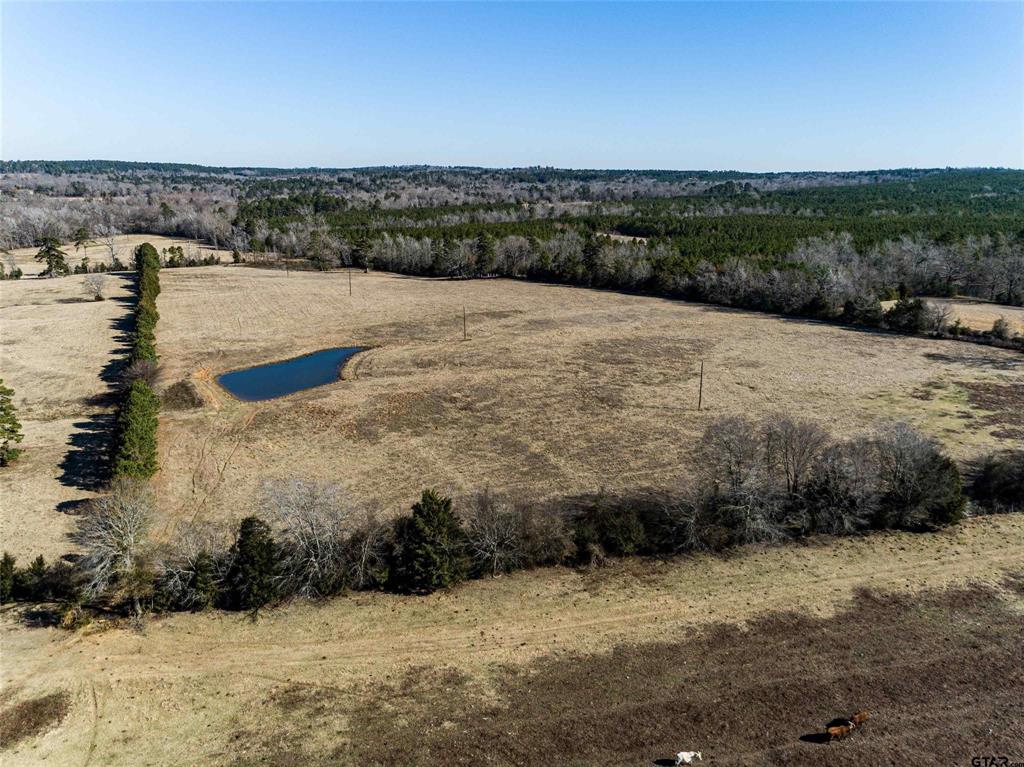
column 758, row 86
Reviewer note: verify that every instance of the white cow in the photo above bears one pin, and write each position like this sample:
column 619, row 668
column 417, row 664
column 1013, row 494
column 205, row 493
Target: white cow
column 687, row 757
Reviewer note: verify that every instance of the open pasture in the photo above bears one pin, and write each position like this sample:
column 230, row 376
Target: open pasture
column 61, row 354
column 555, row 390
column 98, row 251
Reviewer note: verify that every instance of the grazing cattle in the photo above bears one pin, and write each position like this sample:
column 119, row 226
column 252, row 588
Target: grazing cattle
column 861, row 717
column 687, row 757
column 840, row 731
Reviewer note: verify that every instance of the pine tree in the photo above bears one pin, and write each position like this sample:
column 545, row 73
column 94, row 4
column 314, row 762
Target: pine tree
column 54, row 258
column 10, row 427
column 81, row 238
column 485, row 256
column 430, row 547
column 253, row 573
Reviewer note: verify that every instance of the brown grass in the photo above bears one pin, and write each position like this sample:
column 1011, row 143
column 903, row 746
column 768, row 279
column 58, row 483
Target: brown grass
column 28, row 718
column 558, row 390
column 61, row 356
column 940, row 672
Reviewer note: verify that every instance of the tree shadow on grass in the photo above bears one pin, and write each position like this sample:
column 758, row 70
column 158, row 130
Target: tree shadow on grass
column 86, row 465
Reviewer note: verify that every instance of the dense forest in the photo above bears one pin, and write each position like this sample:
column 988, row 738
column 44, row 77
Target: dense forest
column 829, row 245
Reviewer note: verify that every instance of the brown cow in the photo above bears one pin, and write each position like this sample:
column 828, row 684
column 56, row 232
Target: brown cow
column 861, row 717
column 840, row 731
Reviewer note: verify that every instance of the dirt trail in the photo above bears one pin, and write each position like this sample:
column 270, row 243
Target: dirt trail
column 208, row 675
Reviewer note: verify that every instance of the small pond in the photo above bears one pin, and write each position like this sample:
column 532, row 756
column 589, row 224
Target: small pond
column 279, row 378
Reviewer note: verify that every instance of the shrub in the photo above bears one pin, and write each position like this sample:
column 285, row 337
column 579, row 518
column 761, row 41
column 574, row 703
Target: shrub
column 429, row 548
column 368, row 553
column 862, row 310
column 606, row 526
column 40, row 582
column 999, row 485
column 193, row 570
column 545, row 537
column 136, row 426
column 920, row 487
column 1001, row 329
column 840, row 496
column 908, row 315
column 252, row 577
column 182, row 395
column 141, row 369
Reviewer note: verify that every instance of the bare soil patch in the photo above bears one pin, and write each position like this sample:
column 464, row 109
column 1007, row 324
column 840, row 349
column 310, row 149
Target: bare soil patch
column 939, row 671
column 1005, row 406
column 27, row 718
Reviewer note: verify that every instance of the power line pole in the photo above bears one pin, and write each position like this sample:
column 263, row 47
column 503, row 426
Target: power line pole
column 700, row 392
column 464, row 335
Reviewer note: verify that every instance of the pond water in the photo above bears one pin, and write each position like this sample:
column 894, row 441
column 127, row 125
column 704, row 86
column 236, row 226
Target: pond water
column 280, row 378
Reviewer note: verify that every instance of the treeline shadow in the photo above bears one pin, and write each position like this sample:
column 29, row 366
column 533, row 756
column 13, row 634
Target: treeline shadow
column 86, row 465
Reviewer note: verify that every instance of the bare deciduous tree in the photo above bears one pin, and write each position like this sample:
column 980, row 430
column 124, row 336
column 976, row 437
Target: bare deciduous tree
column 494, row 534
column 793, row 444
column 313, row 518
column 94, row 285
column 114, row 535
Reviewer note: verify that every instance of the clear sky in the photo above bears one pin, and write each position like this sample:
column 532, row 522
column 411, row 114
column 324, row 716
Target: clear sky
column 758, row 86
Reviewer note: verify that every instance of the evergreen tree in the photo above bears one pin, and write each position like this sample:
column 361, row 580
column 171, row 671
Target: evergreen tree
column 204, row 582
column 10, row 427
column 430, row 547
column 136, row 427
column 6, row 578
column 54, row 258
column 253, row 573
column 81, row 237
column 485, row 257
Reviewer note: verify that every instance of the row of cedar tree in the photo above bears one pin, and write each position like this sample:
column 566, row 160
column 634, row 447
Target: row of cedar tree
column 135, row 454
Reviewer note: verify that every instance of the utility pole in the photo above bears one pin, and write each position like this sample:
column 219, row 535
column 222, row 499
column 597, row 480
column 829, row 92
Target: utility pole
column 700, row 392
column 464, row 335
column 350, row 280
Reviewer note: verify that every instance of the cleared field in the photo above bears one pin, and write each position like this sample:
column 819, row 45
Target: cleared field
column 738, row 655
column 98, row 252
column 60, row 353
column 557, row 390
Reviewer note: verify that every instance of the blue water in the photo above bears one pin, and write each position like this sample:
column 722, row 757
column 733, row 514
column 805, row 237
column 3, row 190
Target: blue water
column 280, row 378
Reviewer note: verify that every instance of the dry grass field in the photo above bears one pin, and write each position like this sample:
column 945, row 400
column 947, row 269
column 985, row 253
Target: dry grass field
column 557, row 389
column 59, row 352
column 738, row 655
